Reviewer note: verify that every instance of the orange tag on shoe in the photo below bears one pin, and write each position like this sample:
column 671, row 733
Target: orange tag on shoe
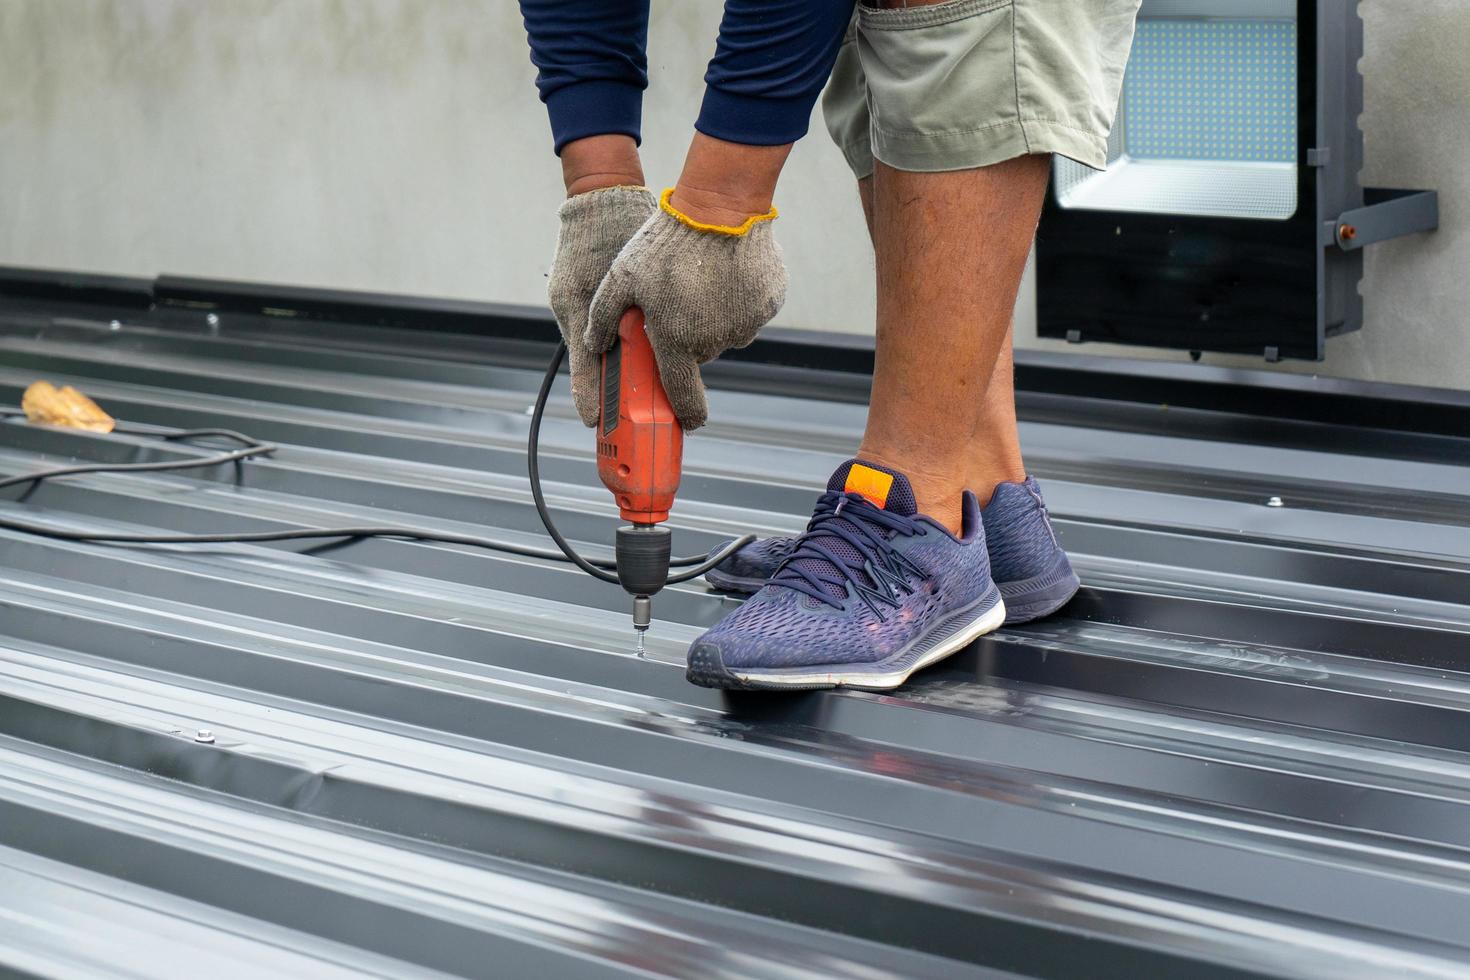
column 870, row 483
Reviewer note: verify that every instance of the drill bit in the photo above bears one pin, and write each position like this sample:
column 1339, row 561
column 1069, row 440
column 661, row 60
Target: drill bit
column 642, row 616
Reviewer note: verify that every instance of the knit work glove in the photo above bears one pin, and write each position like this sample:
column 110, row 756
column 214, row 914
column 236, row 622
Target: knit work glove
column 594, row 228
column 703, row 289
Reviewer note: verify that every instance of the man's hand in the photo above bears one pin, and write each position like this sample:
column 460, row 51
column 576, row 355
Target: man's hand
column 705, row 269
column 602, row 212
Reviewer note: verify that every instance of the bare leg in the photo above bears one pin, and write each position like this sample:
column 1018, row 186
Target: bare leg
column 997, row 457
column 950, row 250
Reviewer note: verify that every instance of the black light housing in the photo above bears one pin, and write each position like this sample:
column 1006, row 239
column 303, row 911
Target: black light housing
column 1230, row 217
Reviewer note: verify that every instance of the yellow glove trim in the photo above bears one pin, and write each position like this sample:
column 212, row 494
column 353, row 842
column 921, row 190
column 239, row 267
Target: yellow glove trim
column 735, row 230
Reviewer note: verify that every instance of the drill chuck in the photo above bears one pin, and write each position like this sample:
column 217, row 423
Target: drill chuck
column 642, row 552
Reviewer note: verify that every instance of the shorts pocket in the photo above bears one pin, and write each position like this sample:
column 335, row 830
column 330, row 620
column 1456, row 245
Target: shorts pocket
column 927, row 15
column 941, row 80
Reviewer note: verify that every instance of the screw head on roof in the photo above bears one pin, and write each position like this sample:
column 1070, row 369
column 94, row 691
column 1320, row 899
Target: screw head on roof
column 204, row 735
column 115, row 325
column 1275, row 502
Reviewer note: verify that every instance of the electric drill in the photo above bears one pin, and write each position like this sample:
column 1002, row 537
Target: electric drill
column 640, row 448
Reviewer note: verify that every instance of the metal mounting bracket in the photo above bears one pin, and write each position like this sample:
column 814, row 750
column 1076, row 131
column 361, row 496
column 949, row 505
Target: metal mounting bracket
column 1386, row 214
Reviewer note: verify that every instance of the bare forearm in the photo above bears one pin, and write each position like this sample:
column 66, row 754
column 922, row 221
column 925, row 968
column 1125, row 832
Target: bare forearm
column 725, row 183
column 598, row 162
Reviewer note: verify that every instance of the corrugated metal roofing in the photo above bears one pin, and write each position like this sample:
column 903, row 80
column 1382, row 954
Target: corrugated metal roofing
column 1242, row 751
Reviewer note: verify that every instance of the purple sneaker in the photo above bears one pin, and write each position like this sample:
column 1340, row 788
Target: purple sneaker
column 1029, row 566
column 1028, row 562
column 871, row 592
column 750, row 567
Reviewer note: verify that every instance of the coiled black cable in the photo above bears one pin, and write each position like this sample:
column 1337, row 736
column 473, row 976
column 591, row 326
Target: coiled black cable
column 701, row 563
column 600, row 568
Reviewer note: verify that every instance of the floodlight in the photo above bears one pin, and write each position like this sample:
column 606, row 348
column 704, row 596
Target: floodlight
column 1229, row 216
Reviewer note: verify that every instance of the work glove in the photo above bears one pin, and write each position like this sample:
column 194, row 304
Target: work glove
column 703, row 289
column 594, row 228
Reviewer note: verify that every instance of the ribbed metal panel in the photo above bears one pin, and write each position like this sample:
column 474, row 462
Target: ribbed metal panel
column 1241, row 751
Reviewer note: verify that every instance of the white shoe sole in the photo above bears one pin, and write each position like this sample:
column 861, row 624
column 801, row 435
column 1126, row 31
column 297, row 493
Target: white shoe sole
column 988, row 622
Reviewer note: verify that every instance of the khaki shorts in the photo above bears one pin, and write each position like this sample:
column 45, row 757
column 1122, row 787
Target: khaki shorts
column 970, row 83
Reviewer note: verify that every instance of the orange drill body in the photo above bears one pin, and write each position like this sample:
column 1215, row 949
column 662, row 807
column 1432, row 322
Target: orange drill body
column 640, row 444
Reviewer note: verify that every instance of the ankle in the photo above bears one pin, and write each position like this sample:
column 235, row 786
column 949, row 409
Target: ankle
column 984, row 482
column 946, row 508
column 939, row 495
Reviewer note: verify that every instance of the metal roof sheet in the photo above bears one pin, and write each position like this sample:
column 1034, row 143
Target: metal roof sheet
column 1241, row 751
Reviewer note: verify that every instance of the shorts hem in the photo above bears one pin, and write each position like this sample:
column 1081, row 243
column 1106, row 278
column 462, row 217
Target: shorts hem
column 859, row 157
column 985, row 146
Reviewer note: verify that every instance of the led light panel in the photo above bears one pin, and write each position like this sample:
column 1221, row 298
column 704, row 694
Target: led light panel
column 1207, row 124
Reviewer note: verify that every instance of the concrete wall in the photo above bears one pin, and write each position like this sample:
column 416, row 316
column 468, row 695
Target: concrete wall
column 397, row 145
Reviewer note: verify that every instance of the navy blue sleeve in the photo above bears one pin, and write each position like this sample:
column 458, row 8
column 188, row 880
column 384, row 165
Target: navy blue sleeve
column 771, row 62
column 591, row 64
column 773, row 58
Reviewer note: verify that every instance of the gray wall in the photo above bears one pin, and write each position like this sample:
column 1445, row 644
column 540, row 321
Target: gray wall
column 397, row 145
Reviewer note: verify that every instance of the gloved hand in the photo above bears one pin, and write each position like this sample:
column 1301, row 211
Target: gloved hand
column 703, row 289
column 594, row 228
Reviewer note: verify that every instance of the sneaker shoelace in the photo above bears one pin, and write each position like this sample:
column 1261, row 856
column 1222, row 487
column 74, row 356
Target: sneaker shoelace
column 850, row 542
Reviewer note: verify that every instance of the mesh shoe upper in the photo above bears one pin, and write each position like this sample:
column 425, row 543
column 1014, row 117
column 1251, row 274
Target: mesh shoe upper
column 1018, row 532
column 1018, row 535
column 756, row 561
column 859, row 583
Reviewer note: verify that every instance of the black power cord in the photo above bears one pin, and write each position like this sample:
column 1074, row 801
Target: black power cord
column 252, row 448
column 600, row 568
column 701, row 563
